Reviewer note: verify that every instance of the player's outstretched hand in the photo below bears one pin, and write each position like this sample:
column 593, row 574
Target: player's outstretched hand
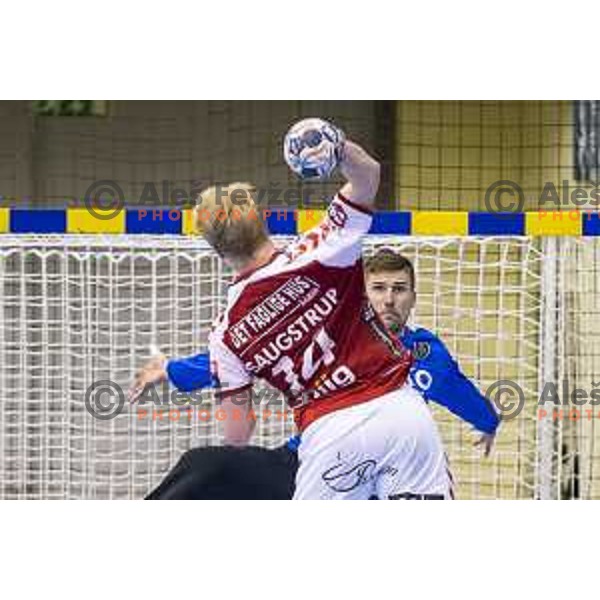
column 487, row 442
column 154, row 371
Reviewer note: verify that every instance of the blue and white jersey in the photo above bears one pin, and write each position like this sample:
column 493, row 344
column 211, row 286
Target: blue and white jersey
column 437, row 376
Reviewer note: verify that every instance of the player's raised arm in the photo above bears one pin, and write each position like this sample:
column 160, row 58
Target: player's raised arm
column 313, row 148
column 362, row 174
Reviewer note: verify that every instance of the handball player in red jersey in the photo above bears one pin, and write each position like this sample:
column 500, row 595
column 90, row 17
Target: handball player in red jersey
column 298, row 317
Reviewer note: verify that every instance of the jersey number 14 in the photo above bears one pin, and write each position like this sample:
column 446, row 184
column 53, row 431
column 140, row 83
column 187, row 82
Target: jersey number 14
column 311, row 363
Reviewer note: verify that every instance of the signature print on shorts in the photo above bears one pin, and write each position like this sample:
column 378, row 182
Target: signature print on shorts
column 344, row 477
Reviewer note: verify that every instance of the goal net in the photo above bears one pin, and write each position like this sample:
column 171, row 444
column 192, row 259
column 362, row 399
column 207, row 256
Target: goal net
column 79, row 309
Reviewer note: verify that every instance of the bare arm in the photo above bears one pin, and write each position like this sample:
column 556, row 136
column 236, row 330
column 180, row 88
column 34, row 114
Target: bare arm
column 362, row 173
column 239, row 422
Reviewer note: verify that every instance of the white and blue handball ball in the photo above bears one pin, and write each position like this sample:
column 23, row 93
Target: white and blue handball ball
column 312, row 148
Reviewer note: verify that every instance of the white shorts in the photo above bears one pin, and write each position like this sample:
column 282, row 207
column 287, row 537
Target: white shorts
column 387, row 448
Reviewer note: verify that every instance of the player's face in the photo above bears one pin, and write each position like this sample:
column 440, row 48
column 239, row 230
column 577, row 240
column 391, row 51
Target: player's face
column 392, row 295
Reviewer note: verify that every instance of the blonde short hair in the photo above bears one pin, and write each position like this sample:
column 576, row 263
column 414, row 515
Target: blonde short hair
column 230, row 221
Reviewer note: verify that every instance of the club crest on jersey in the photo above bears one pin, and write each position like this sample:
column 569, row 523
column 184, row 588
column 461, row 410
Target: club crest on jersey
column 421, row 350
column 337, row 214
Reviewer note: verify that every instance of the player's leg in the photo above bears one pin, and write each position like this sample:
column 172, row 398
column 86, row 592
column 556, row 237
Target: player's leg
column 335, row 460
column 386, row 447
column 413, row 464
column 193, row 477
column 335, row 475
column 227, row 473
column 263, row 474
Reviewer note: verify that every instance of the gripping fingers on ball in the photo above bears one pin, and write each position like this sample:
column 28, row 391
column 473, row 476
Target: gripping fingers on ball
column 313, row 148
column 336, row 136
column 339, row 151
column 318, row 154
column 339, row 142
column 320, row 161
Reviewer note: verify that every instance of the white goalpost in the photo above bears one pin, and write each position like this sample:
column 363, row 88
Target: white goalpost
column 77, row 309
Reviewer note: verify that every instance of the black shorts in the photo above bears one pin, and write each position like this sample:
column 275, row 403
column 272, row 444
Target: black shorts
column 228, row 473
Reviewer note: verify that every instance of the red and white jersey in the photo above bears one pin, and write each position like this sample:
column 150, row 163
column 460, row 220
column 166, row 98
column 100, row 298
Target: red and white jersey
column 303, row 323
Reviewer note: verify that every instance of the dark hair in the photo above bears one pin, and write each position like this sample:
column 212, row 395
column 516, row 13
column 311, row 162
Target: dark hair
column 385, row 260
